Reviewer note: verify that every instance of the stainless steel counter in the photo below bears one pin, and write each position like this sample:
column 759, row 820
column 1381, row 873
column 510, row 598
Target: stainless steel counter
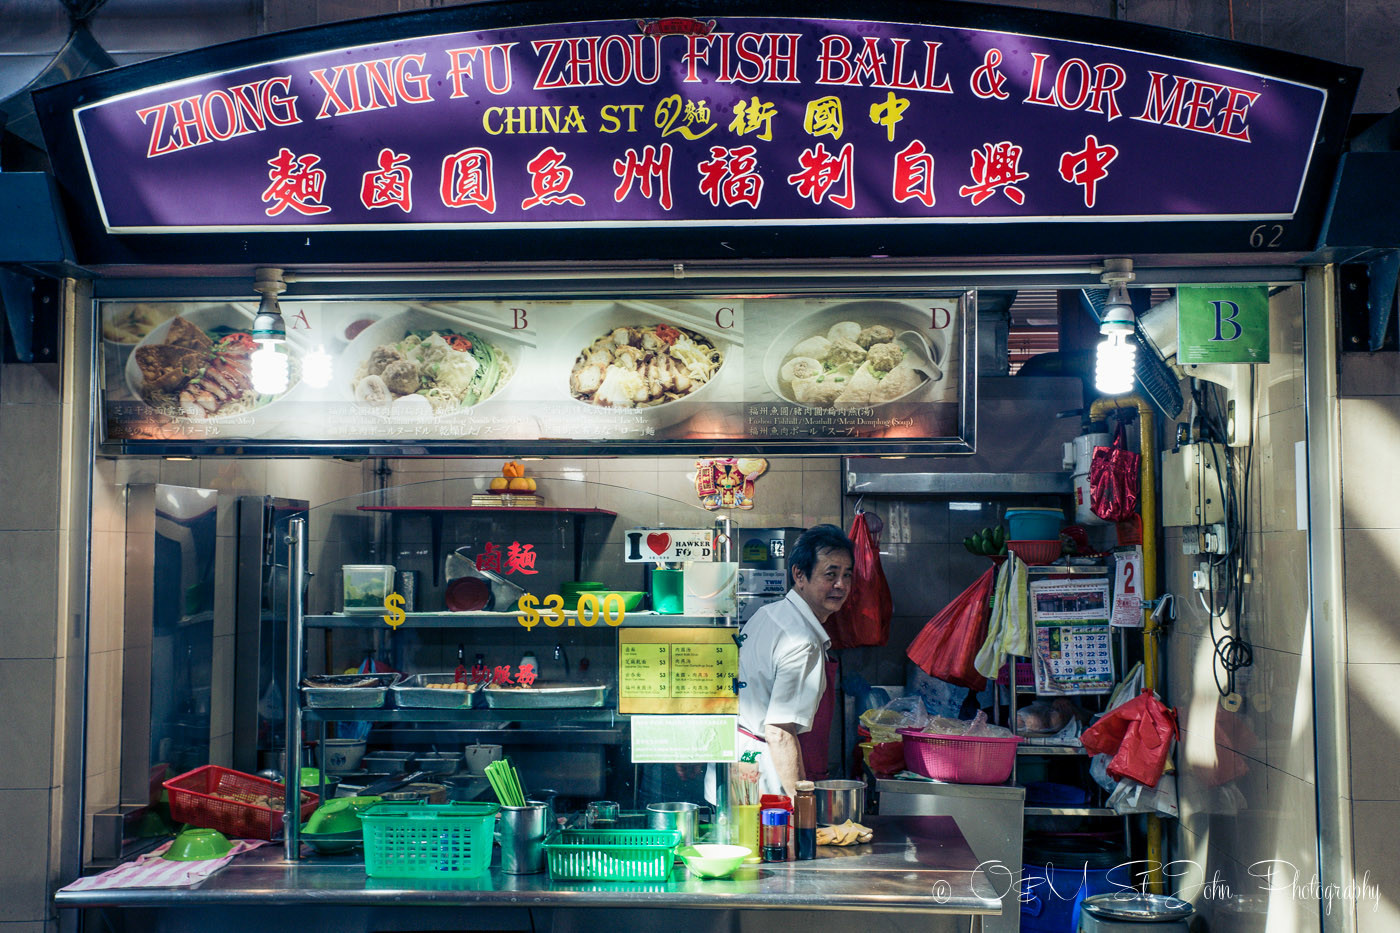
column 918, row 864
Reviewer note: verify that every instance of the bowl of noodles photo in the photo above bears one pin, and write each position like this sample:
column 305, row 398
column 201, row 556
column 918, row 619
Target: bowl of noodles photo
column 421, row 364
column 196, row 366
column 858, row 354
column 626, row 360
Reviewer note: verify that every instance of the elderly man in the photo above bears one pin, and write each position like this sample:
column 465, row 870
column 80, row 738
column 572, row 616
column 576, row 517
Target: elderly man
column 783, row 658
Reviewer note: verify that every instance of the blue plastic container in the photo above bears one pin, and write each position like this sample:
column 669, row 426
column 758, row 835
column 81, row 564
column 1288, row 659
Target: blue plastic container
column 1051, row 897
column 1034, row 524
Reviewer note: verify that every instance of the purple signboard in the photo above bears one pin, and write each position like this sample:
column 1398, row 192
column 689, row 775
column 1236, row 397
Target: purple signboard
column 737, row 120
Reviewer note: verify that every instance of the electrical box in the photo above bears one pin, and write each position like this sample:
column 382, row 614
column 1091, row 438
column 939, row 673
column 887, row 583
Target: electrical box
column 1192, row 491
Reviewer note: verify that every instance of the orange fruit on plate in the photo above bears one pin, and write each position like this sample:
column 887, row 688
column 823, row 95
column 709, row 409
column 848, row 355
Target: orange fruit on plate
column 499, row 484
column 519, row 484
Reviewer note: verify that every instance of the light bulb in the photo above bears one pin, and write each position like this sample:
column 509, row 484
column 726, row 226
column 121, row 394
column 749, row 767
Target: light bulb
column 1117, row 359
column 269, row 369
column 316, row 368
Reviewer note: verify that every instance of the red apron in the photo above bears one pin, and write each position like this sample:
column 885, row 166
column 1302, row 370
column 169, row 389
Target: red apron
column 816, row 742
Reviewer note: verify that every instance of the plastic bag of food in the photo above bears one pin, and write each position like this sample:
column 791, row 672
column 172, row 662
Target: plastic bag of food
column 980, row 728
column 900, row 713
column 1044, row 717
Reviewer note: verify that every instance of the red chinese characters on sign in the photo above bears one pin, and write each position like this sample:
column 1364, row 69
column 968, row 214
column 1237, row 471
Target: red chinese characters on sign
column 654, row 164
column 549, row 180
column 993, row 167
column 731, row 176
column 296, row 183
column 1088, row 167
column 502, row 675
column 489, row 558
column 526, row 675
column 821, row 171
column 520, row 558
column 391, row 185
column 913, row 174
column 467, row 180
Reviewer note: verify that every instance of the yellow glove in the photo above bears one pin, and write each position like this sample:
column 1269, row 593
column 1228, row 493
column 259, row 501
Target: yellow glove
column 848, row 833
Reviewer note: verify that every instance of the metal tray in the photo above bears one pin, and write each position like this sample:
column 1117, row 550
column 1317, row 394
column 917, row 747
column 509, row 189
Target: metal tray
column 575, row 697
column 413, row 692
column 350, row 697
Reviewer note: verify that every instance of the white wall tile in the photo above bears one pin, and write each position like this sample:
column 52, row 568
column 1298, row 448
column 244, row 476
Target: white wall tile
column 1376, row 845
column 1372, row 573
column 26, row 694
column 31, row 486
column 104, row 727
column 23, row 868
column 221, row 686
column 28, row 580
column 1374, row 729
column 1370, row 439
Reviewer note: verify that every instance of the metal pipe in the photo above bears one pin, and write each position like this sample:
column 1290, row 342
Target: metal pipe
column 1151, row 662
column 291, row 765
column 682, row 271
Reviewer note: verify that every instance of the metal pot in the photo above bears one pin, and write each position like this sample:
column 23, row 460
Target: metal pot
column 839, row 801
column 681, row 816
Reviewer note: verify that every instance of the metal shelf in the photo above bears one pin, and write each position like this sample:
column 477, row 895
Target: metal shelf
column 1089, row 570
column 487, row 714
column 452, row 620
column 516, row 509
column 1069, row 811
column 1050, row 750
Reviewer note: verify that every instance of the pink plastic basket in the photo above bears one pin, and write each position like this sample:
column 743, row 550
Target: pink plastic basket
column 960, row 759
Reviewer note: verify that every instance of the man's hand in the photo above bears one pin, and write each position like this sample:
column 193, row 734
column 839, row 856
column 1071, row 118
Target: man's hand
column 786, row 754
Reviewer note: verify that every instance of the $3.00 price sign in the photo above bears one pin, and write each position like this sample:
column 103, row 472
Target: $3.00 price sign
column 395, row 616
column 587, row 612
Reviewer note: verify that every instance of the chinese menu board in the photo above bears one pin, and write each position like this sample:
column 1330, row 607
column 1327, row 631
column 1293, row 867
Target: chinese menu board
column 733, row 120
column 1073, row 649
column 677, row 670
column 634, row 372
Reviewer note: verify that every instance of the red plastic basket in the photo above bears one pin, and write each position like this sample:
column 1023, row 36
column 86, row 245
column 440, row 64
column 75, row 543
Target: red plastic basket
column 960, row 759
column 234, row 803
column 1036, row 552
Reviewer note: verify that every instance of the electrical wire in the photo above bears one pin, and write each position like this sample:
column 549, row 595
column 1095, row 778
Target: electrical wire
column 1233, row 650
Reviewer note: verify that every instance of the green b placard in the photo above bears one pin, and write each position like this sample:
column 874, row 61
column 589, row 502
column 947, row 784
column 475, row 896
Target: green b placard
column 1223, row 324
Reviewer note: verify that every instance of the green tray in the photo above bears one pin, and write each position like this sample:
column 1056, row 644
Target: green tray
column 428, row 841
column 612, row 854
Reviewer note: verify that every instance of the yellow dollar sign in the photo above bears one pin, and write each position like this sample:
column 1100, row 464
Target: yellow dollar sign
column 528, row 617
column 394, row 603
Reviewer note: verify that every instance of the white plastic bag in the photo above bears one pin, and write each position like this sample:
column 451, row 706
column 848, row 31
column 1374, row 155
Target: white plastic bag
column 1131, row 797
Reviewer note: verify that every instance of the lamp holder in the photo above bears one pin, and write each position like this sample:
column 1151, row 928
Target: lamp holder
column 269, row 281
column 268, row 324
column 1117, row 272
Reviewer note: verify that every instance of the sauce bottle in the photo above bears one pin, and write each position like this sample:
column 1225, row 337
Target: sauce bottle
column 773, row 834
column 805, row 815
column 479, row 669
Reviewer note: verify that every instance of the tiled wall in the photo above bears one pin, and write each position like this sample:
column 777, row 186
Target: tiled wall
column 1369, row 409
column 31, row 664
column 1247, row 781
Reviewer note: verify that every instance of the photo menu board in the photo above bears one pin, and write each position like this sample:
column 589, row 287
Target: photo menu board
column 546, row 375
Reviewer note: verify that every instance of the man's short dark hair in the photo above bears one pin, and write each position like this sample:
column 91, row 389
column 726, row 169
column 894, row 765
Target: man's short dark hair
column 812, row 542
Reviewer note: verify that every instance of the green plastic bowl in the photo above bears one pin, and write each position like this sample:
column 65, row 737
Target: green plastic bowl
column 198, row 845
column 631, row 599
column 713, row 861
column 341, row 815
column 332, row 843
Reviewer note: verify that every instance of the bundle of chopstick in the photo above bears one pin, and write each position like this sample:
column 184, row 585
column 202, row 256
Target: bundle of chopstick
column 506, row 783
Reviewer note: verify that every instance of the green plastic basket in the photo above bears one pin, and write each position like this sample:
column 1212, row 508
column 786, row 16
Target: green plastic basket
column 612, row 854
column 428, row 841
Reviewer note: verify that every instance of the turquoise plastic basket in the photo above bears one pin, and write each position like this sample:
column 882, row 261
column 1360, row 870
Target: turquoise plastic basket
column 612, row 854
column 428, row 841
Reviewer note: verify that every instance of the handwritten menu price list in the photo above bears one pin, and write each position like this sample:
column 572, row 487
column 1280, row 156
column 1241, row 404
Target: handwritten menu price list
column 677, row 670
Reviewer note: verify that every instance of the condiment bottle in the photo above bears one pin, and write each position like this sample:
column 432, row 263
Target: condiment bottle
column 479, row 669
column 805, row 816
column 773, row 831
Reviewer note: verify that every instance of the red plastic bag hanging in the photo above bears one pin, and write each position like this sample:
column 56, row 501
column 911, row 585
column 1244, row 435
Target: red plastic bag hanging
column 1138, row 734
column 1113, row 480
column 947, row 646
column 863, row 621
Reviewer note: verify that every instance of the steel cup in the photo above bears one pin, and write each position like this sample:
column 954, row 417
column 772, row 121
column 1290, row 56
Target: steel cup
column 521, row 836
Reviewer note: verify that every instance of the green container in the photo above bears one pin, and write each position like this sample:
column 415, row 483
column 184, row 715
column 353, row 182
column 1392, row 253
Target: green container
column 612, row 854
column 428, row 841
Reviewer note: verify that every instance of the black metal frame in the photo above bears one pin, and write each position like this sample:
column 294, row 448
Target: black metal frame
column 95, row 247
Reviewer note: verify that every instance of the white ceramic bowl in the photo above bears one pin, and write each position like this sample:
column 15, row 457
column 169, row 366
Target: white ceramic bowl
column 589, row 329
column 236, row 317
column 896, row 315
column 394, row 328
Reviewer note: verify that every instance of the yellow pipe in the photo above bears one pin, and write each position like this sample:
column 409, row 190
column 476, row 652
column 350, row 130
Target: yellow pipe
column 1147, row 473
